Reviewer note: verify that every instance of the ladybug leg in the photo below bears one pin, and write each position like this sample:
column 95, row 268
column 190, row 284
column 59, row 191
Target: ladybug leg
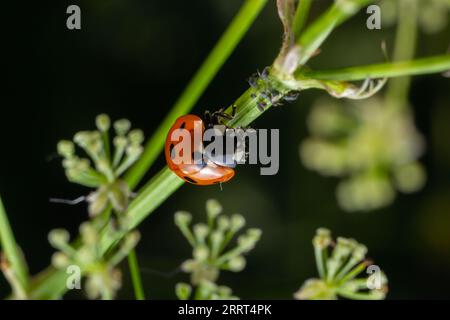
column 208, row 118
column 233, row 110
column 221, row 114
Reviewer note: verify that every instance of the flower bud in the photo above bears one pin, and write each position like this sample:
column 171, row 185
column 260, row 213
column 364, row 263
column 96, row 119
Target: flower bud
column 183, row 218
column 66, row 148
column 247, row 242
column 201, row 253
column 183, row 291
column 213, row 208
column 103, row 122
column 122, row 126
column 60, row 260
column 237, row 264
column 136, row 137
column 85, row 255
column 322, row 239
column 82, row 138
column 189, row 265
column 224, row 291
column 58, row 238
column 237, row 222
column 201, row 230
column 223, row 223
column 120, row 142
column 134, row 151
column 359, row 253
column 88, row 233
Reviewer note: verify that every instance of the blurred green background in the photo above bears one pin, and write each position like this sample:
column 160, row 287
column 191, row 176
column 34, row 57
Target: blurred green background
column 132, row 59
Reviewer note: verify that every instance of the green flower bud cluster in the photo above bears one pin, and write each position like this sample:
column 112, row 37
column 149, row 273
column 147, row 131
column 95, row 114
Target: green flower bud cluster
column 374, row 150
column 432, row 14
column 210, row 243
column 107, row 166
column 339, row 263
column 206, row 290
column 103, row 279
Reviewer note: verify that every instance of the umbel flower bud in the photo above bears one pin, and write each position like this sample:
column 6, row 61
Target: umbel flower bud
column 371, row 149
column 103, row 122
column 338, row 271
column 102, row 278
column 59, row 238
column 212, row 251
column 107, row 165
column 122, row 126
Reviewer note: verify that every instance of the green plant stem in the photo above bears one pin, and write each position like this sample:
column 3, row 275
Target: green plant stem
column 313, row 37
column 135, row 275
column 405, row 45
column 301, row 15
column 13, row 255
column 202, row 78
column 427, row 65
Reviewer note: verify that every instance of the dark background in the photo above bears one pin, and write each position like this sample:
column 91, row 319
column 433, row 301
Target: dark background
column 132, row 59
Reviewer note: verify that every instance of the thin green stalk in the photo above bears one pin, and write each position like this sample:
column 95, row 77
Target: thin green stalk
column 320, row 262
column 219, row 54
column 313, row 37
column 11, row 250
column 352, row 274
column 358, row 295
column 405, row 45
column 428, row 65
column 301, row 15
column 135, row 276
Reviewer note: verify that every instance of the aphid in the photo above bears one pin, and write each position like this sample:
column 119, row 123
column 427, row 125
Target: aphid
column 214, row 118
column 253, row 81
column 261, row 105
column 204, row 173
column 266, row 95
column 264, row 74
column 291, row 96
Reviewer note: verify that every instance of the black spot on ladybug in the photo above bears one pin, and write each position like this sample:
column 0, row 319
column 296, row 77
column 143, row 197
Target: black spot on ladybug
column 183, row 125
column 189, row 179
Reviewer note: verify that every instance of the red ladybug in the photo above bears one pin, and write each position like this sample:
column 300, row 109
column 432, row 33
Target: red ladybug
column 205, row 173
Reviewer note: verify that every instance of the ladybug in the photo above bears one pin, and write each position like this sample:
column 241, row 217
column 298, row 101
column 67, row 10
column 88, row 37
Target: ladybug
column 207, row 172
